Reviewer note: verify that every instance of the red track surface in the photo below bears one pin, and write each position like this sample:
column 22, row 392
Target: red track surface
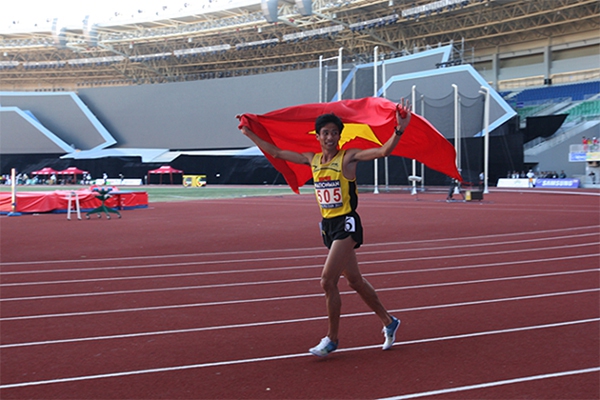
column 221, row 299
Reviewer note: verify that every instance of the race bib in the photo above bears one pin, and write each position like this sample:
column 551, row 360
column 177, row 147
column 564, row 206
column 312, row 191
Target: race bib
column 350, row 224
column 329, row 194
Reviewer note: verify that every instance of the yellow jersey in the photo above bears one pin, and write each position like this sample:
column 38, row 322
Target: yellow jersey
column 336, row 195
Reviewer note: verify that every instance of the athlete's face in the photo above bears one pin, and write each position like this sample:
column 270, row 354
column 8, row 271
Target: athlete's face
column 329, row 136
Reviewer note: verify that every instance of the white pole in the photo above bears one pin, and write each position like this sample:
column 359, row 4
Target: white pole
column 13, row 194
column 320, row 79
column 340, row 73
column 456, row 143
column 13, row 190
column 375, row 161
column 78, row 206
column 423, row 165
column 385, row 160
column 414, row 162
column 486, row 140
column 456, row 133
column 69, row 205
column 375, row 56
column 383, row 77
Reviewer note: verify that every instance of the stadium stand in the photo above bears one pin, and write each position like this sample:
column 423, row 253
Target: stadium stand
column 171, row 93
column 573, row 92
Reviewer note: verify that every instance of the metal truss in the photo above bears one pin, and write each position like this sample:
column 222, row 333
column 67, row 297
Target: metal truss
column 240, row 42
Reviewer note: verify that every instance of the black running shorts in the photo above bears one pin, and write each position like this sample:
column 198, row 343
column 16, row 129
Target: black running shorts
column 338, row 228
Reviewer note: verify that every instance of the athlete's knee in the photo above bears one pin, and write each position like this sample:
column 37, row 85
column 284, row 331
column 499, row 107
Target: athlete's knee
column 356, row 284
column 328, row 284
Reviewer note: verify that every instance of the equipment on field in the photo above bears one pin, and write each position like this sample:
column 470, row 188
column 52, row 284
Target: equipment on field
column 103, row 195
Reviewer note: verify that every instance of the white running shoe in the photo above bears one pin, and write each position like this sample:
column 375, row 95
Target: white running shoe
column 389, row 332
column 325, row 347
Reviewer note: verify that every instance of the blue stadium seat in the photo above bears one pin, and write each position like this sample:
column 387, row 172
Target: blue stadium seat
column 575, row 92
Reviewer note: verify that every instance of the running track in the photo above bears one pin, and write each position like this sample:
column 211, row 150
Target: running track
column 220, row 299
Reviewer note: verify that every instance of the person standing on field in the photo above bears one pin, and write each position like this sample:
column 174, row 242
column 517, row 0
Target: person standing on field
column 334, row 176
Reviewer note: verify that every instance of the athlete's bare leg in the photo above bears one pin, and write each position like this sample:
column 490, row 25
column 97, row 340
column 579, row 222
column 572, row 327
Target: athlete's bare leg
column 336, row 261
column 342, row 260
column 357, row 282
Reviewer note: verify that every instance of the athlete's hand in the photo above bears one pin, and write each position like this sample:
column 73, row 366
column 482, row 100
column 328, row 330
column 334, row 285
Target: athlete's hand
column 403, row 114
column 246, row 131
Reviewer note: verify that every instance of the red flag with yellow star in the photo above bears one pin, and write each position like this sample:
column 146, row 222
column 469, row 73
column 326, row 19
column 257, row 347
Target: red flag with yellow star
column 368, row 123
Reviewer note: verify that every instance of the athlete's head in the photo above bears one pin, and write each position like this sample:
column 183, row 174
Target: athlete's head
column 325, row 119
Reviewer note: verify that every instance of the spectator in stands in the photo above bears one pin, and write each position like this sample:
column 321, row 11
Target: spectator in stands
column 562, row 174
column 584, row 143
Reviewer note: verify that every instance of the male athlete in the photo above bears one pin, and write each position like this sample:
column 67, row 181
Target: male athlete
column 334, row 176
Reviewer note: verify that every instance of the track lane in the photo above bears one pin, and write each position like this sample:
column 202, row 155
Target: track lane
column 418, row 286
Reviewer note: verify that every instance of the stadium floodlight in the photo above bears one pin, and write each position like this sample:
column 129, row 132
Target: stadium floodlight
column 8, row 64
column 90, row 32
column 201, row 50
column 43, row 64
column 269, row 10
column 59, row 34
column 147, row 57
column 95, row 60
column 304, row 7
column 427, row 9
column 313, row 33
column 257, row 44
column 376, row 22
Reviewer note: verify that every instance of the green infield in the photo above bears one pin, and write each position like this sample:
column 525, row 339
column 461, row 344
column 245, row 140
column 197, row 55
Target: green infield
column 160, row 193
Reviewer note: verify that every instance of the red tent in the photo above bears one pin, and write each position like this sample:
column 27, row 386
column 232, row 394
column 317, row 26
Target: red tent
column 72, row 171
column 44, row 171
column 165, row 169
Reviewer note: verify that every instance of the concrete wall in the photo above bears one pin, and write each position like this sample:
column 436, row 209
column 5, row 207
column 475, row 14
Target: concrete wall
column 198, row 114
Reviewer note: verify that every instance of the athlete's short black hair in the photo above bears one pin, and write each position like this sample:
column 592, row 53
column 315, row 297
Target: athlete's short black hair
column 324, row 119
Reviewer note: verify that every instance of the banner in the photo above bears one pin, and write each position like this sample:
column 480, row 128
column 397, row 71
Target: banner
column 557, row 183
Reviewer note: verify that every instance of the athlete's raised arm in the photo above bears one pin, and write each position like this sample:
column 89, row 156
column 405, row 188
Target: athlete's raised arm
column 276, row 152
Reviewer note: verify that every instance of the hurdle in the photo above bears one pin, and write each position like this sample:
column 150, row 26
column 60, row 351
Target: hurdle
column 73, row 197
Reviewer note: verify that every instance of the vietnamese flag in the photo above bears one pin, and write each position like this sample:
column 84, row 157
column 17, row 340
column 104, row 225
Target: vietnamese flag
column 368, row 123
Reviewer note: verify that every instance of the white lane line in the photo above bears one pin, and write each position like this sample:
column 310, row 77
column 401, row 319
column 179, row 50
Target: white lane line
column 494, row 384
column 285, row 281
column 547, row 191
column 230, row 302
column 321, row 255
column 289, row 321
column 286, row 356
column 187, row 274
column 305, row 249
column 304, row 267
